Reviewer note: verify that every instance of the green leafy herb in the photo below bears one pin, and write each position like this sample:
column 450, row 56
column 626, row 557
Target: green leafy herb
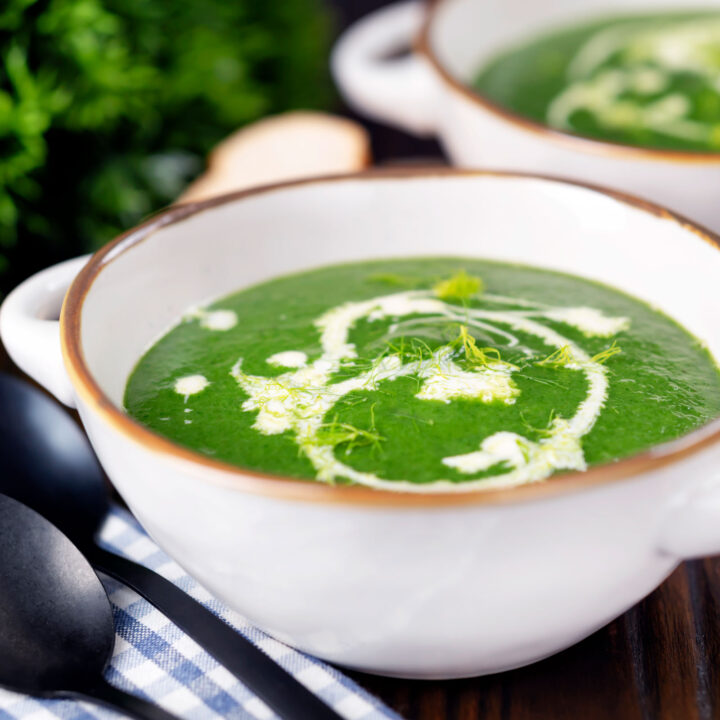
column 561, row 357
column 605, row 355
column 479, row 357
column 338, row 434
column 460, row 286
column 108, row 107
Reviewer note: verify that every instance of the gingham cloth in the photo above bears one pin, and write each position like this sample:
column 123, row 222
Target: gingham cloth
column 154, row 659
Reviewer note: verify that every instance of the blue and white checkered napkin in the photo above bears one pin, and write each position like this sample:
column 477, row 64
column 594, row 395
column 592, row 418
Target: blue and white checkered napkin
column 155, row 659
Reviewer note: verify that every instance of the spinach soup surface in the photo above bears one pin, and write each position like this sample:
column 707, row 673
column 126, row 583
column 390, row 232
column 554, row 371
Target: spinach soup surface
column 424, row 375
column 650, row 80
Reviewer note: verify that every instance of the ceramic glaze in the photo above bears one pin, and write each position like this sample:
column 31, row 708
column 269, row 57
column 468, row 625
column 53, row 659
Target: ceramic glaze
column 431, row 92
column 430, row 585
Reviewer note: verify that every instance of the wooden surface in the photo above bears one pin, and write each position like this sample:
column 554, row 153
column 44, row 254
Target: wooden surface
column 659, row 661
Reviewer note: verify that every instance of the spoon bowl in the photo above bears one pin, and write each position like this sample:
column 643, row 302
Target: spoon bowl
column 57, row 623
column 48, row 462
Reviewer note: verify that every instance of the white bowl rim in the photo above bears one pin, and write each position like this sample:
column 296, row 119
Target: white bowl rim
column 574, row 141
column 267, row 484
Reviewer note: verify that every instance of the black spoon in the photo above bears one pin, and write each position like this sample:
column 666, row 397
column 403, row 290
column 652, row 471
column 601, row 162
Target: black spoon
column 48, row 464
column 57, row 625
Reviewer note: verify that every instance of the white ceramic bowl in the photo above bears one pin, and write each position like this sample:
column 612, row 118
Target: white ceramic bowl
column 429, row 93
column 415, row 585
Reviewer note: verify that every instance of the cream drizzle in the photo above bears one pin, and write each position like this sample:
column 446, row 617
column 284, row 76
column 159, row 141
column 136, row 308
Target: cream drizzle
column 216, row 320
column 298, row 401
column 656, row 50
column 190, row 385
column 289, row 358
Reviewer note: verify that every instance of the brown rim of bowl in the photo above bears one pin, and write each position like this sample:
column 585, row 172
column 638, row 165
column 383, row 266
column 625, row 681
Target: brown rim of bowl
column 260, row 483
column 574, row 141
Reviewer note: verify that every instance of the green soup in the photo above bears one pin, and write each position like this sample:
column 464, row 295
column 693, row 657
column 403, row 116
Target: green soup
column 424, row 374
column 651, row 80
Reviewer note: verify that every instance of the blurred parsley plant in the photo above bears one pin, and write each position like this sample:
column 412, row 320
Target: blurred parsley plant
column 107, row 107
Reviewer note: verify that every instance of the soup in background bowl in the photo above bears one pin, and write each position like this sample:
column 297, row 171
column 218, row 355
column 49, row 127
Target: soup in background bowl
column 649, row 80
column 440, row 584
column 617, row 92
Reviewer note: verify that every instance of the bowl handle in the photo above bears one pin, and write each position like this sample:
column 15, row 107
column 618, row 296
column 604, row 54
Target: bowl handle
column 400, row 91
column 692, row 528
column 30, row 329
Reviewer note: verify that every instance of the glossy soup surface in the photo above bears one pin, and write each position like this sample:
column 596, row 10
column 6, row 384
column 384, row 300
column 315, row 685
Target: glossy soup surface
column 648, row 80
column 424, row 375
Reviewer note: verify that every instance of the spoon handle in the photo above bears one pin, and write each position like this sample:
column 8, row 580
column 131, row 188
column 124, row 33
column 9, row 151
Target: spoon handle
column 274, row 686
column 128, row 704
